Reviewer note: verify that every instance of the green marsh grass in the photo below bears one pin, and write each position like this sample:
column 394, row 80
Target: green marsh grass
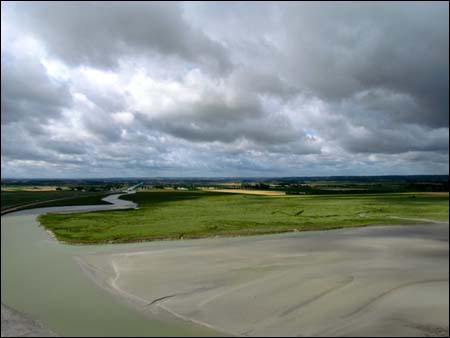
column 194, row 214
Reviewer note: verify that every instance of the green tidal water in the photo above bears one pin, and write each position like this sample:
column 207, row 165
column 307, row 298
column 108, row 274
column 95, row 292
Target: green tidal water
column 40, row 277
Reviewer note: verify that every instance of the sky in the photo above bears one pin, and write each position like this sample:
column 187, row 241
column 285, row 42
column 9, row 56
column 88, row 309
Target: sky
column 147, row 89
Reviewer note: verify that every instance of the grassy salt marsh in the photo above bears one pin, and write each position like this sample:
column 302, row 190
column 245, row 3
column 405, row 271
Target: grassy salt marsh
column 194, row 214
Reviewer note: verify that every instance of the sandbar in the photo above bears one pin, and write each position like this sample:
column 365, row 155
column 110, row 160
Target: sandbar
column 372, row 281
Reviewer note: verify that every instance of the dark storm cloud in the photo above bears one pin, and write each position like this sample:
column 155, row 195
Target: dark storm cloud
column 19, row 143
column 27, row 93
column 305, row 88
column 262, row 82
column 336, row 50
column 99, row 33
column 98, row 121
column 244, row 117
column 264, row 133
column 65, row 147
column 390, row 141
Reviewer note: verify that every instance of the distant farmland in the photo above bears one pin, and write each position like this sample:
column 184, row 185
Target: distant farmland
column 15, row 200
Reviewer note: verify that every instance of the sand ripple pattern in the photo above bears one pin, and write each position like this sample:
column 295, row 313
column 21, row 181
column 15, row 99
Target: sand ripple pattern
column 375, row 281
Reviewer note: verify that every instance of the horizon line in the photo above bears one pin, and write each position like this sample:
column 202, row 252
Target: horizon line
column 214, row 177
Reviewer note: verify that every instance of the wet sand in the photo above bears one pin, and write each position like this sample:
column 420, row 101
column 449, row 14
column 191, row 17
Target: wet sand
column 16, row 324
column 373, row 281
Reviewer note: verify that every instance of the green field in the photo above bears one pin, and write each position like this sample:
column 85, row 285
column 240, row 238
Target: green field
column 171, row 214
column 39, row 199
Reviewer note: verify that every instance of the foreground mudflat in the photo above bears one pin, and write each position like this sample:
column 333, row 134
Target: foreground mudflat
column 15, row 324
column 374, row 281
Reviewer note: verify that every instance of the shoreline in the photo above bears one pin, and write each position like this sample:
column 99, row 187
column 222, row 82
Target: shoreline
column 408, row 222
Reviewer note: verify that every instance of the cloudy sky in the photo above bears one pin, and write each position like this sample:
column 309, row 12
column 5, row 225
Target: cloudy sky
column 224, row 89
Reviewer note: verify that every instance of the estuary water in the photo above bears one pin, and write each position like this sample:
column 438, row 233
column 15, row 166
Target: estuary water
column 41, row 278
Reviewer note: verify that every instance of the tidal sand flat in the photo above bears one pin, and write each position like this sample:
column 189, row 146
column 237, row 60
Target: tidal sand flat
column 16, row 324
column 373, row 281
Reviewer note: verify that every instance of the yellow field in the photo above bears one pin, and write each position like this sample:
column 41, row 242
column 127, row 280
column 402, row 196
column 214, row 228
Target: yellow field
column 230, row 184
column 443, row 193
column 249, row 192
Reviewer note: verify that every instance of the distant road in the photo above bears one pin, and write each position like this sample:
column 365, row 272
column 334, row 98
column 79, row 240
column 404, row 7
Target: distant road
column 130, row 189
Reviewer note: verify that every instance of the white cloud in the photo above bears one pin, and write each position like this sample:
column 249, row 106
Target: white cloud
column 274, row 89
column 125, row 118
